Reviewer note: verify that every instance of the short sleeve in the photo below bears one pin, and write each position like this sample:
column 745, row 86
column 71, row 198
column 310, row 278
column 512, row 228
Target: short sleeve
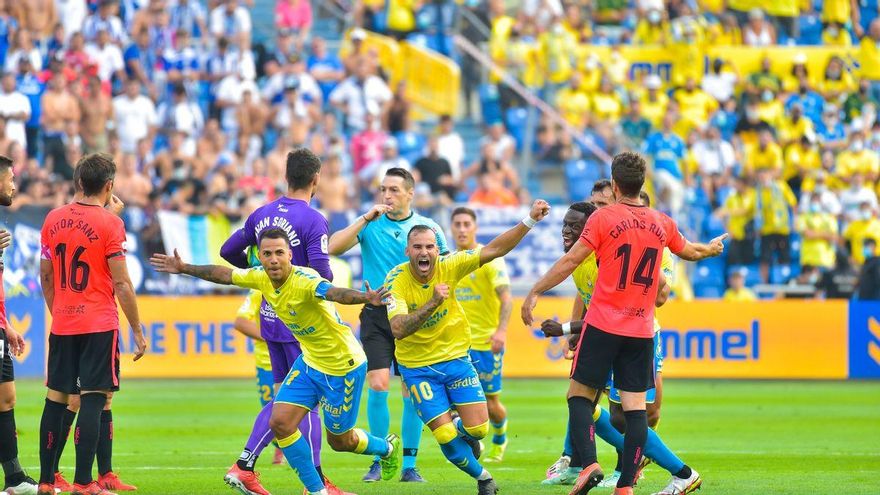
column 249, row 278
column 462, row 263
column 396, row 303
column 115, row 245
column 498, row 276
column 591, row 236
column 675, row 239
column 250, row 308
column 45, row 249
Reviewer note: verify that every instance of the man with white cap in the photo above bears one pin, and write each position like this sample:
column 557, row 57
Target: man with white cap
column 654, row 101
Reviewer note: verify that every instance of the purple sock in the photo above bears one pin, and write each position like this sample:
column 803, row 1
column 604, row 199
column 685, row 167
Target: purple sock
column 310, row 427
column 261, row 436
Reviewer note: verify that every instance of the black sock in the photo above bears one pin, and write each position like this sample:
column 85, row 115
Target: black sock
column 685, row 472
column 66, row 423
column 320, row 473
column 583, row 430
column 619, row 465
column 9, row 449
column 50, row 436
column 633, row 445
column 86, row 437
column 246, row 461
column 105, row 443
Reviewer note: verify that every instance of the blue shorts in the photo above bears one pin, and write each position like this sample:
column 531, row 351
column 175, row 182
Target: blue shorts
column 435, row 388
column 339, row 396
column 651, row 395
column 265, row 385
column 488, row 368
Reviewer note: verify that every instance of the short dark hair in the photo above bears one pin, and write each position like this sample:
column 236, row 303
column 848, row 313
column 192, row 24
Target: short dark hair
column 95, row 171
column 403, row 174
column 417, row 229
column 628, row 171
column 464, row 210
column 272, row 233
column 5, row 163
column 302, row 166
column 600, row 185
column 646, row 200
column 584, row 207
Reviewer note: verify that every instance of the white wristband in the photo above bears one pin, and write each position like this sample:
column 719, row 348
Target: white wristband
column 529, row 222
column 566, row 328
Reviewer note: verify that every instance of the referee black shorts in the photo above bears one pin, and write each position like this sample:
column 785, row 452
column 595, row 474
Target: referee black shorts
column 377, row 339
column 600, row 352
column 7, row 373
column 87, row 361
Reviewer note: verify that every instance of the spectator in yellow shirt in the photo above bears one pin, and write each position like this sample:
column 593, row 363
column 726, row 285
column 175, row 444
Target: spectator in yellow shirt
column 738, row 292
column 727, row 33
column 695, row 105
column 654, row 102
column 605, row 104
column 818, row 230
column 557, row 50
column 766, row 155
column 738, row 211
column 799, row 71
column 842, row 12
column 869, row 57
column 773, row 203
column 401, row 17
column 573, row 103
column 576, row 25
column 835, row 34
column 858, row 159
column 801, row 160
column 770, row 108
column 836, row 81
column 866, row 227
column 652, row 29
column 785, row 15
column 591, row 72
column 793, row 127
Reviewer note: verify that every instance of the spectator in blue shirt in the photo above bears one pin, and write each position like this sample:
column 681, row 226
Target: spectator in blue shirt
column 811, row 101
column 140, row 59
column 188, row 15
column 326, row 68
column 830, row 129
column 666, row 151
column 181, row 63
column 28, row 84
column 725, row 119
column 8, row 25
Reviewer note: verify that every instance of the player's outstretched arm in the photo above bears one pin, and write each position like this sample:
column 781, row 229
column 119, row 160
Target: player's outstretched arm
column 233, row 250
column 350, row 296
column 402, row 326
column 124, row 290
column 173, row 264
column 695, row 251
column 560, row 270
column 345, row 239
column 505, row 242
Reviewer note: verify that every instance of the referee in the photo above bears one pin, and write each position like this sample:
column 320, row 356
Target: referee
column 382, row 233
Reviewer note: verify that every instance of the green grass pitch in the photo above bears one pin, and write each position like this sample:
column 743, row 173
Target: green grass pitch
column 744, row 437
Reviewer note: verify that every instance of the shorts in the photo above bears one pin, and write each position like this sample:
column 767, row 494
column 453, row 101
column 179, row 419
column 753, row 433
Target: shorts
column 651, row 396
column 282, row 355
column 488, row 366
column 7, row 373
column 775, row 243
column 265, row 385
column 741, row 252
column 339, row 396
column 87, row 361
column 376, row 338
column 630, row 358
column 435, row 388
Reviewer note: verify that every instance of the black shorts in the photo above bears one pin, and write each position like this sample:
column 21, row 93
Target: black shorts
column 7, row 373
column 775, row 243
column 741, row 252
column 83, row 362
column 599, row 352
column 376, row 338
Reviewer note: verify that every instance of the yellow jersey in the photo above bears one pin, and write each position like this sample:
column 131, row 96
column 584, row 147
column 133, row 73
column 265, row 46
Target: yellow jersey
column 817, row 252
column 445, row 335
column 789, row 130
column 606, row 106
column 250, row 310
column 836, row 11
column 742, row 295
column 740, row 210
column 574, row 105
column 865, row 162
column 768, row 158
column 775, row 203
column 584, row 277
column 869, row 59
column 798, row 159
column 695, row 106
column 477, row 294
column 328, row 345
column 654, row 110
column 857, row 232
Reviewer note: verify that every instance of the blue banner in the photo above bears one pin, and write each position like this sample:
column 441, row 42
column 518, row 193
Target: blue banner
column 864, row 339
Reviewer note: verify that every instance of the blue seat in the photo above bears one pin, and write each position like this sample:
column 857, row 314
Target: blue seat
column 713, row 226
column 708, row 291
column 490, row 103
column 410, row 145
column 516, row 120
column 810, row 30
column 781, row 274
column 705, row 275
column 579, row 178
column 752, row 273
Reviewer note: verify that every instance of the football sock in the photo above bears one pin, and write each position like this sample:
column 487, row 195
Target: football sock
column 260, row 437
column 567, row 449
column 50, row 435
column 459, row 453
column 655, row 449
column 684, row 473
column 369, row 444
column 378, row 416
column 105, row 443
column 410, row 433
column 583, row 430
column 66, row 424
column 633, row 445
column 499, row 432
column 9, row 449
column 86, row 438
column 310, row 426
column 299, row 456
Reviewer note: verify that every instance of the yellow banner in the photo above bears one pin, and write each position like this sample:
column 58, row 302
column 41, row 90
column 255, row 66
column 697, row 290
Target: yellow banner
column 194, row 337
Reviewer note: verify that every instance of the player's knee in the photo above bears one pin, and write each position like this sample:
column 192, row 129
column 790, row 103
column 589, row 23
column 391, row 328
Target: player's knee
column 478, row 431
column 281, row 426
column 378, row 381
column 445, row 433
column 342, row 443
column 73, row 403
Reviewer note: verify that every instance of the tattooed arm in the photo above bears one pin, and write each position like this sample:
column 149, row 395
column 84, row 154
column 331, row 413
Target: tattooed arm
column 351, row 296
column 174, row 264
column 403, row 326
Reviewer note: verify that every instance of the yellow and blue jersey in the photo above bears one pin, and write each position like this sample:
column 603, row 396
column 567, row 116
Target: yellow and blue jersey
column 446, row 334
column 328, row 345
column 584, row 277
column 250, row 310
column 668, row 267
column 478, row 296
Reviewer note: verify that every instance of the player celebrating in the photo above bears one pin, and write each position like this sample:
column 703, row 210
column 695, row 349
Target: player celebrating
column 487, row 304
column 82, row 269
column 16, row 481
column 382, row 234
column 306, row 231
column 627, row 238
column 433, row 340
column 331, row 369
column 585, row 278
